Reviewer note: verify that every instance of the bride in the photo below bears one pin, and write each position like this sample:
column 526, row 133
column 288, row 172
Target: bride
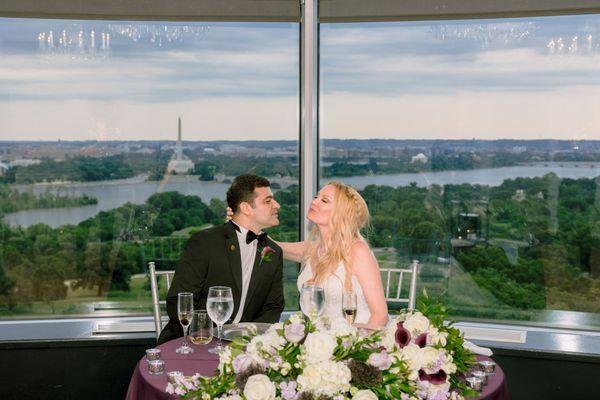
column 338, row 258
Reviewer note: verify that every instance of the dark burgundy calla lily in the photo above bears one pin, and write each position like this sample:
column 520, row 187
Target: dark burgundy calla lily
column 402, row 335
column 421, row 340
column 435, row 379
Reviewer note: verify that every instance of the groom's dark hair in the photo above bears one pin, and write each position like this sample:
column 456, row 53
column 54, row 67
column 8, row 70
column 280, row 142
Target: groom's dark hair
column 242, row 189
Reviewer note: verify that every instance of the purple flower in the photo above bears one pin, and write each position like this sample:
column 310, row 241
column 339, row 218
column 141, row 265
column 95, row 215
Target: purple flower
column 380, row 361
column 265, row 254
column 242, row 363
column 421, row 340
column 288, row 390
column 439, row 395
column 189, row 385
column 402, row 335
column 294, row 332
column 435, row 379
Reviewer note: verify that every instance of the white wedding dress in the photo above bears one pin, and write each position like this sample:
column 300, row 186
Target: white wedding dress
column 333, row 288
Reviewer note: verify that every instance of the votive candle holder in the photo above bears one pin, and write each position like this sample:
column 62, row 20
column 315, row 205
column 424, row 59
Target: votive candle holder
column 173, row 375
column 474, row 383
column 481, row 375
column 156, row 367
column 152, row 354
column 487, row 366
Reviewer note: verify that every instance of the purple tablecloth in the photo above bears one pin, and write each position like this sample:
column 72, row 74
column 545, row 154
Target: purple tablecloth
column 144, row 386
column 496, row 388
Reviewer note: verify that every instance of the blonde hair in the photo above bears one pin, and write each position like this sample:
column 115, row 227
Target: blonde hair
column 350, row 214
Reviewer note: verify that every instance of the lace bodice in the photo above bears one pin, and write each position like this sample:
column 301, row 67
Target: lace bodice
column 333, row 287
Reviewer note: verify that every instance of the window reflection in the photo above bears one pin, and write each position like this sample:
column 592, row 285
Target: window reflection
column 119, row 140
column 473, row 144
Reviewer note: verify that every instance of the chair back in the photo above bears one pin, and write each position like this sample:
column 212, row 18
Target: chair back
column 394, row 277
column 156, row 302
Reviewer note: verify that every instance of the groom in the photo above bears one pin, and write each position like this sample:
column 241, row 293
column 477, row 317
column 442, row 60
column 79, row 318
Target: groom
column 238, row 255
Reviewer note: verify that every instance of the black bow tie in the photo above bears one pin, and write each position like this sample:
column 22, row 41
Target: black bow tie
column 262, row 238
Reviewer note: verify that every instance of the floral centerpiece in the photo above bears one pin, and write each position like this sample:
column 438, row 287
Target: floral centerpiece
column 416, row 356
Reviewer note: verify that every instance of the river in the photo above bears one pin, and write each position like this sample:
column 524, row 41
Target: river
column 114, row 194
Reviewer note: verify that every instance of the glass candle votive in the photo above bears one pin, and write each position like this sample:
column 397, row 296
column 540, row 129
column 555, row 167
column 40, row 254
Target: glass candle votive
column 152, row 354
column 474, row 383
column 173, row 375
column 156, row 367
column 481, row 375
column 487, row 366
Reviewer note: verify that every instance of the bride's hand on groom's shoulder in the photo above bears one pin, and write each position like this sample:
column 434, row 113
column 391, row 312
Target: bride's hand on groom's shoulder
column 228, row 214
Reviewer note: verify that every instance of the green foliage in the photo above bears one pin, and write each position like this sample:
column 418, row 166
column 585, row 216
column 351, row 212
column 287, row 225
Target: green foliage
column 206, row 170
column 75, row 169
column 12, row 200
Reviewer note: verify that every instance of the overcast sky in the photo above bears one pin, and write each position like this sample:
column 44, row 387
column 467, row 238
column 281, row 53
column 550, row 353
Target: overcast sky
column 486, row 79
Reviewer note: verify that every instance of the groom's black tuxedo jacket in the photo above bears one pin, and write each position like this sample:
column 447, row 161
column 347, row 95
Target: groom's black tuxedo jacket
column 212, row 258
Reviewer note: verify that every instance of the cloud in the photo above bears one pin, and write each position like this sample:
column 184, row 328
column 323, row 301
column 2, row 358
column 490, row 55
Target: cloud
column 442, row 79
column 234, row 118
column 565, row 113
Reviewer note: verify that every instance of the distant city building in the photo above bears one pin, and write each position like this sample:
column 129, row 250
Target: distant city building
column 143, row 150
column 233, row 149
column 24, row 162
column 422, row 158
column 518, row 149
column 519, row 195
column 179, row 163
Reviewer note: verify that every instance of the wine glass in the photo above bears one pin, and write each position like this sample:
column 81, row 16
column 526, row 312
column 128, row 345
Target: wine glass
column 201, row 328
column 312, row 300
column 349, row 305
column 185, row 310
column 219, row 305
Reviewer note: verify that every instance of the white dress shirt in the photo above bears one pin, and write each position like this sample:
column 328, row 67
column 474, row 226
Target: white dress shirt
column 248, row 255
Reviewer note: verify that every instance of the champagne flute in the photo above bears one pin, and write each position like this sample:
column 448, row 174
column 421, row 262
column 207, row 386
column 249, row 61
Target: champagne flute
column 201, row 328
column 219, row 305
column 185, row 310
column 349, row 305
column 312, row 300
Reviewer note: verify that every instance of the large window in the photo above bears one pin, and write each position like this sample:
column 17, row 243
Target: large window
column 475, row 144
column 94, row 182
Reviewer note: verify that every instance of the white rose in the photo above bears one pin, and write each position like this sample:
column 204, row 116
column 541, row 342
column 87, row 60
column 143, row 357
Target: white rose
column 225, row 359
column 389, row 335
column 435, row 337
column 448, row 366
column 416, row 324
column 319, row 347
column 341, row 327
column 329, row 378
column 297, row 318
column 431, row 360
column 259, row 387
column 275, row 327
column 413, row 356
column 364, row 395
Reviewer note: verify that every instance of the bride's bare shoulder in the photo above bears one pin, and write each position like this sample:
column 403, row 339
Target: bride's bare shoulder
column 360, row 248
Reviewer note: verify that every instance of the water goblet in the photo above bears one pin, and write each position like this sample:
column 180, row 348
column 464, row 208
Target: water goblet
column 185, row 310
column 219, row 305
column 201, row 328
column 312, row 300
